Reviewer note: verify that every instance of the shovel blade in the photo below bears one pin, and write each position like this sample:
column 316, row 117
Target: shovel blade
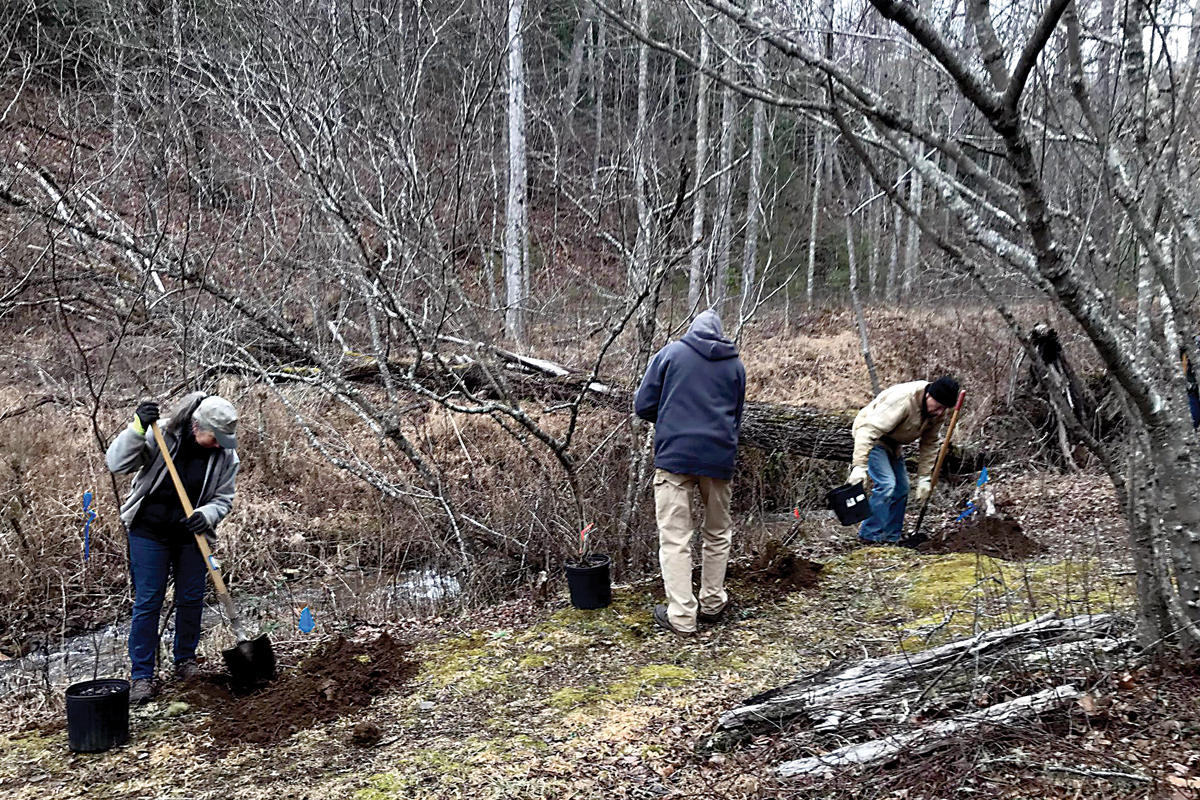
column 251, row 663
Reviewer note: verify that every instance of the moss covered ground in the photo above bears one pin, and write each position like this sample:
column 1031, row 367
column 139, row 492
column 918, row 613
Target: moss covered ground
column 558, row 702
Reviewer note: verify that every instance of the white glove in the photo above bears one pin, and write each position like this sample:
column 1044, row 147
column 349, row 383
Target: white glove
column 924, row 489
column 858, row 475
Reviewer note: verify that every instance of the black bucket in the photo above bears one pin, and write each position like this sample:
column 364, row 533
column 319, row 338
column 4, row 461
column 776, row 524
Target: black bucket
column 97, row 715
column 849, row 502
column 589, row 584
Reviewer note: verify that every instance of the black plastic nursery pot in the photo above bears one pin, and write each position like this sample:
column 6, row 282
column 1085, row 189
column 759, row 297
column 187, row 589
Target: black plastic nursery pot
column 850, row 503
column 97, row 715
column 589, row 583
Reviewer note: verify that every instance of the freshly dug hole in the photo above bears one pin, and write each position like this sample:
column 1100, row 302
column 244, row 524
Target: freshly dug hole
column 987, row 536
column 776, row 570
column 342, row 675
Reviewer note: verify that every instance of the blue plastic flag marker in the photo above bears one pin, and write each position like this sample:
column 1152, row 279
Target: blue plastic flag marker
column 983, row 477
column 88, row 515
column 306, row 621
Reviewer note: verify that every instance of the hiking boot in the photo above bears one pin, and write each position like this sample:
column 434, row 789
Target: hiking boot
column 913, row 542
column 664, row 622
column 187, row 669
column 142, row 690
column 716, row 616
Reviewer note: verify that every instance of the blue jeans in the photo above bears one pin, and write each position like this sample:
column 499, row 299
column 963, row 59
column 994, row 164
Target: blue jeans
column 150, row 562
column 889, row 497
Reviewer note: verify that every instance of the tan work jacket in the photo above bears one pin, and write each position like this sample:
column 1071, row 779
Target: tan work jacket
column 894, row 418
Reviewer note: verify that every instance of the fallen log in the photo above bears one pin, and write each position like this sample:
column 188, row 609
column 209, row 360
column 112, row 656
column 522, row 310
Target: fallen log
column 932, row 736
column 798, row 431
column 908, row 687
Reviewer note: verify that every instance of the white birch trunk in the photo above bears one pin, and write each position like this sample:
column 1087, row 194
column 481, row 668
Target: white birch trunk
column 724, row 211
column 754, row 190
column 1145, row 300
column 912, row 247
column 812, row 219
column 894, row 265
column 515, row 227
column 697, row 269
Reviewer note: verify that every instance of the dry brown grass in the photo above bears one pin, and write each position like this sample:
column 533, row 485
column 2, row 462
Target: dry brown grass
column 295, row 511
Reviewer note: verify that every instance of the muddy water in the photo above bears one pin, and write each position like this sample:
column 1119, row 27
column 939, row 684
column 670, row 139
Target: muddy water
column 102, row 653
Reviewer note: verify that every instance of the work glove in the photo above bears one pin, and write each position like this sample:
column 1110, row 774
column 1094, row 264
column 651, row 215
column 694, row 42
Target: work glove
column 145, row 416
column 924, row 489
column 196, row 524
column 858, row 475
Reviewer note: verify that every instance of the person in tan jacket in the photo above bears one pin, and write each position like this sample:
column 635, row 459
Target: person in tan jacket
column 900, row 415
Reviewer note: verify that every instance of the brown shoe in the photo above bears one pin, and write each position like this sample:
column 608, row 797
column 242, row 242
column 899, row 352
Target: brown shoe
column 186, row 670
column 664, row 622
column 717, row 615
column 142, row 690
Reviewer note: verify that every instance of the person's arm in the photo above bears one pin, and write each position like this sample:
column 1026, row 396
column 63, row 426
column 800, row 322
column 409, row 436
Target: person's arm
column 741, row 402
column 882, row 420
column 645, row 402
column 927, row 450
column 218, row 506
column 133, row 448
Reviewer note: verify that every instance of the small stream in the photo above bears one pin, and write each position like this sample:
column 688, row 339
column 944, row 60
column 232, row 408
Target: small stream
column 102, row 653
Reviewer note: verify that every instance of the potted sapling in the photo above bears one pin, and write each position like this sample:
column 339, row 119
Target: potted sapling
column 588, row 578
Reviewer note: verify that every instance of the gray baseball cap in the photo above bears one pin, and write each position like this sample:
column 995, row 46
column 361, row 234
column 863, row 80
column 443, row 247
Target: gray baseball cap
column 219, row 416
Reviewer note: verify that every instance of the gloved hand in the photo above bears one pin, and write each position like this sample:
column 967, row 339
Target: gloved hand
column 145, row 416
column 924, row 489
column 196, row 524
column 858, row 475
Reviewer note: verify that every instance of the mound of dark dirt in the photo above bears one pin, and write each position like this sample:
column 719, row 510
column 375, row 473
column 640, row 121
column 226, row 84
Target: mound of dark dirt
column 341, row 676
column 778, row 568
column 987, row 536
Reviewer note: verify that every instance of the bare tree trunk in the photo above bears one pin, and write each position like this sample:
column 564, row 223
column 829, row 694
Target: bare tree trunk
column 894, row 264
column 814, row 210
column 1145, row 300
column 852, row 259
column 874, row 227
column 515, row 227
column 754, row 190
column 724, row 211
column 697, row 272
column 598, row 56
column 640, row 278
column 912, row 247
column 583, row 27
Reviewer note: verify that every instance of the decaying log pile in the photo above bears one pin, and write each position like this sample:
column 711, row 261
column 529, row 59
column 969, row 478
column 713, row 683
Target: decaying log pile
column 799, row 431
column 906, row 689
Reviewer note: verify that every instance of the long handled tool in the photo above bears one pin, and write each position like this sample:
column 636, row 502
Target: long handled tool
column 937, row 469
column 252, row 661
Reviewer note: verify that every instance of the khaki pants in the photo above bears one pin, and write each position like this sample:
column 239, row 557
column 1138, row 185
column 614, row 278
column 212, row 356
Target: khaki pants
column 673, row 509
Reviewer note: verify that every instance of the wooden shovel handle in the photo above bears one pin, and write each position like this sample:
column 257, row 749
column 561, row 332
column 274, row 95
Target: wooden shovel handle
column 201, row 542
column 937, row 467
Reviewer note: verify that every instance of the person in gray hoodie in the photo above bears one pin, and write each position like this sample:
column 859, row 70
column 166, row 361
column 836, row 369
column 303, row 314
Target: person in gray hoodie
column 201, row 437
column 693, row 391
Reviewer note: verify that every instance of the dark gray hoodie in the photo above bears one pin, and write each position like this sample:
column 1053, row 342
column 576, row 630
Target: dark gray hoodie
column 693, row 392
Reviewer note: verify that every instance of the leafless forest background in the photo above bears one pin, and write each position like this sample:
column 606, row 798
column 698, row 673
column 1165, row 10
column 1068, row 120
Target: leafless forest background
column 361, row 221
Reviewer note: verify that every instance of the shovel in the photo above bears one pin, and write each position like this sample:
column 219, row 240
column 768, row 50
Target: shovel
column 252, row 661
column 915, row 538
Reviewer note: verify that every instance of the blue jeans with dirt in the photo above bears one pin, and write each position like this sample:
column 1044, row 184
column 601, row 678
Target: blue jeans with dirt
column 151, row 561
column 889, row 497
